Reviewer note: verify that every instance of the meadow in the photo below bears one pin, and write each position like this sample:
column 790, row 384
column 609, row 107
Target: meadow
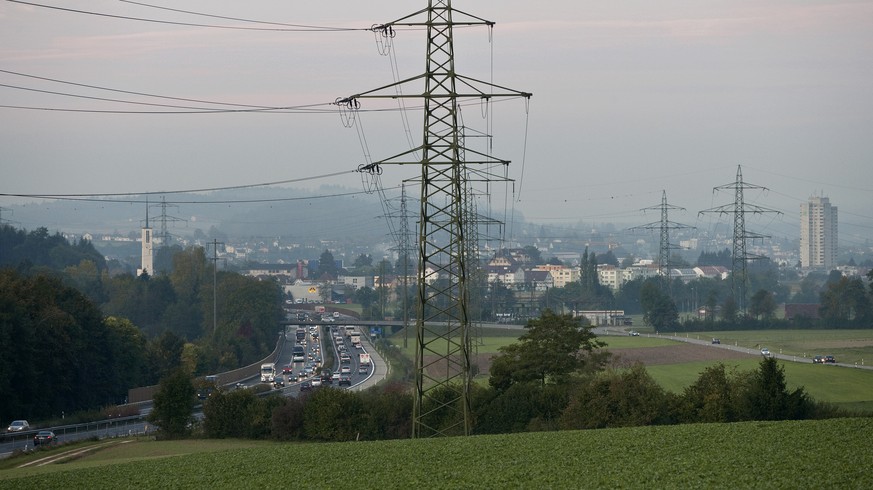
column 845, row 387
column 742, row 455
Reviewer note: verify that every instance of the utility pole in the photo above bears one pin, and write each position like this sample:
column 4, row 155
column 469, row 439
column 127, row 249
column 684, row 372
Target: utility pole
column 664, row 226
column 739, row 209
column 443, row 373
column 214, row 259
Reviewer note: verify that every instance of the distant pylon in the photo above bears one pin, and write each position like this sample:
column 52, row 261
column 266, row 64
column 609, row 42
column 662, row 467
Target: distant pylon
column 664, row 226
column 739, row 257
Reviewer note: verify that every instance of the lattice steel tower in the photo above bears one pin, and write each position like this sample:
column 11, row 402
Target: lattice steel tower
column 664, row 226
column 739, row 257
column 442, row 359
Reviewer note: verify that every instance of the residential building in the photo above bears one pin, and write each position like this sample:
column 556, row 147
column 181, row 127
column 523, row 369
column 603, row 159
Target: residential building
column 818, row 234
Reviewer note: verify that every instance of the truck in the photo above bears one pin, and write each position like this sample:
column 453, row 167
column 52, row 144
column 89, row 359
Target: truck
column 301, row 334
column 364, row 359
column 356, row 339
column 268, row 372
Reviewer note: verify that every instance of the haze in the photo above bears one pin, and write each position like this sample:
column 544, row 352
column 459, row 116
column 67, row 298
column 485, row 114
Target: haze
column 630, row 98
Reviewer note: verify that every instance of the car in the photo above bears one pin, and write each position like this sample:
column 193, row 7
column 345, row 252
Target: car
column 305, row 386
column 362, row 369
column 830, row 360
column 633, row 333
column 335, row 377
column 345, row 359
column 18, row 426
column 45, row 438
column 278, row 382
column 287, row 370
column 716, row 341
column 345, row 380
column 346, row 369
column 301, row 376
column 316, row 382
column 765, row 352
column 818, row 360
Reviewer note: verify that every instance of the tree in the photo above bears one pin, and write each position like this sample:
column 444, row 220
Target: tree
column 845, row 301
column 729, row 310
column 173, row 403
column 624, row 398
column 327, row 265
column 533, row 254
column 659, row 310
column 711, row 398
column 762, row 304
column 552, row 348
column 362, row 260
column 767, row 396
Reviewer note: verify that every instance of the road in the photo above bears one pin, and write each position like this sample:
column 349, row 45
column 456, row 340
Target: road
column 314, row 345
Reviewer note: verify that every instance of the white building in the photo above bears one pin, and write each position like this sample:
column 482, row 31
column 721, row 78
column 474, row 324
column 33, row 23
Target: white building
column 818, row 234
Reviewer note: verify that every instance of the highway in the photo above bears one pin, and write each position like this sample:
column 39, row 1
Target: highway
column 315, row 345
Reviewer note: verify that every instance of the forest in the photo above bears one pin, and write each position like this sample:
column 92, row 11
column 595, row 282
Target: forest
column 73, row 338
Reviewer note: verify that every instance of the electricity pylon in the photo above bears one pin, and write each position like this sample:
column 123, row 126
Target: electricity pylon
column 739, row 257
column 443, row 372
column 664, row 226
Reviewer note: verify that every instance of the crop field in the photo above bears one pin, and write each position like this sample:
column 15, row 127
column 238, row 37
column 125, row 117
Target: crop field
column 743, row 455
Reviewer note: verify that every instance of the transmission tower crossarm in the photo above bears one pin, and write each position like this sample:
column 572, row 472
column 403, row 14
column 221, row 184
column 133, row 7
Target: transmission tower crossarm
column 405, row 22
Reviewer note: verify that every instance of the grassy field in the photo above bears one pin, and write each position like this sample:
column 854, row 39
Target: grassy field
column 845, row 387
column 744, row 455
column 849, row 346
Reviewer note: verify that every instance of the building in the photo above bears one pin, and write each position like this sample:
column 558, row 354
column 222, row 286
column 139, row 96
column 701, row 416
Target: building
column 818, row 234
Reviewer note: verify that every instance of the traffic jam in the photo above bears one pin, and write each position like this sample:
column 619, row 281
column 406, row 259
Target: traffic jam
column 303, row 364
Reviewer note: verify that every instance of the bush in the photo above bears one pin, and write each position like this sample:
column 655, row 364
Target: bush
column 618, row 399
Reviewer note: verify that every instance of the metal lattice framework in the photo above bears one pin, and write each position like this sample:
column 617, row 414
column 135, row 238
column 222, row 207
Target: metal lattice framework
column 443, row 328
column 740, row 258
column 664, row 226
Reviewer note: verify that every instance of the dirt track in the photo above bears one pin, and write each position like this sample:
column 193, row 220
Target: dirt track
column 674, row 354
column 650, row 356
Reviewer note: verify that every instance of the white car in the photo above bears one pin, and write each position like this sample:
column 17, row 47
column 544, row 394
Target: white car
column 765, row 352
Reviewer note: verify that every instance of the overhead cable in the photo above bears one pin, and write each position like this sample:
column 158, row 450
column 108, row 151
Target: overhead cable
column 190, row 24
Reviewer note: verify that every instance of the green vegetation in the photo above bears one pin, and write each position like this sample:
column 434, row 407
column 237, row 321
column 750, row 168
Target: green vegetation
column 849, row 346
column 743, row 455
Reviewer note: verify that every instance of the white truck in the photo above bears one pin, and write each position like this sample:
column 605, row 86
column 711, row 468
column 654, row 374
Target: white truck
column 268, row 372
column 355, row 339
column 364, row 359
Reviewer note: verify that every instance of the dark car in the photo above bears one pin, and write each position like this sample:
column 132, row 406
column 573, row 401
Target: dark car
column 830, row 360
column 45, row 438
column 279, row 382
column 818, row 360
column 345, row 380
column 716, row 341
column 305, row 386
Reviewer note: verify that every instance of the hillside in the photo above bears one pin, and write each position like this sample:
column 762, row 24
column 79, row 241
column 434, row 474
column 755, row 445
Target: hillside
column 744, row 455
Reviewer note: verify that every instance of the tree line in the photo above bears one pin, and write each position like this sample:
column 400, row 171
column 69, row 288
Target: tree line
column 74, row 337
column 556, row 377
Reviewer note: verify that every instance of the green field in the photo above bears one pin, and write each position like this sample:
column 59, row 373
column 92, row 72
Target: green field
column 845, row 387
column 742, row 455
column 849, row 346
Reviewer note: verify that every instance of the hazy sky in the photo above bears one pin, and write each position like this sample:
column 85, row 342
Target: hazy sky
column 630, row 98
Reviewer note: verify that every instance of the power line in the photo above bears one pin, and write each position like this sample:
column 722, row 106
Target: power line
column 213, row 16
column 297, row 28
column 130, row 92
